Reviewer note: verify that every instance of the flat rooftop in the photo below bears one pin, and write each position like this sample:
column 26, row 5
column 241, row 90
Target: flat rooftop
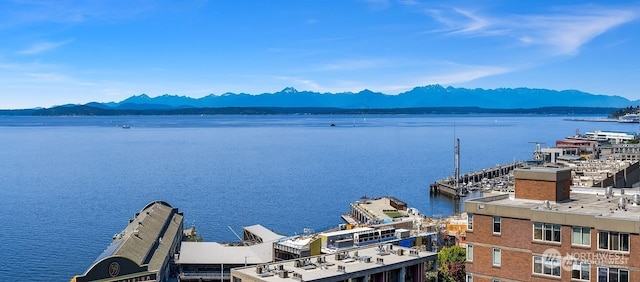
column 354, row 261
column 586, row 201
column 377, row 207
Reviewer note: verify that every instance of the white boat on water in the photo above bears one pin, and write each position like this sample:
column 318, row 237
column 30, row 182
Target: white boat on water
column 630, row 118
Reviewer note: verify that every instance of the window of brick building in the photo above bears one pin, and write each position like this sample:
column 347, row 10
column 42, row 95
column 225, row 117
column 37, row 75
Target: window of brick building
column 612, row 274
column 497, row 254
column 546, row 232
column 581, row 236
column 613, row 241
column 470, row 222
column 497, row 224
column 469, row 252
column 580, row 270
column 546, row 265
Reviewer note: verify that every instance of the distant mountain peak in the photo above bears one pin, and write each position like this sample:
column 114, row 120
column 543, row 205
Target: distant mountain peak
column 289, row 90
column 434, row 95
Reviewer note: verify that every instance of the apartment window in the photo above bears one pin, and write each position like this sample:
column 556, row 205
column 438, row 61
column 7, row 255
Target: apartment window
column 581, row 236
column 469, row 278
column 546, row 232
column 613, row 241
column 546, row 265
column 580, row 270
column 497, row 254
column 612, row 275
column 470, row 221
column 497, row 224
column 469, row 252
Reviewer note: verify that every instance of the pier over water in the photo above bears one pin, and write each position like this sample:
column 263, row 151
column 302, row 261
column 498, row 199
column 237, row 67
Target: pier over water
column 451, row 187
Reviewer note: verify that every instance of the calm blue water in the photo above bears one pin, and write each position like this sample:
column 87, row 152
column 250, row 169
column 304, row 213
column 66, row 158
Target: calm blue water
column 67, row 184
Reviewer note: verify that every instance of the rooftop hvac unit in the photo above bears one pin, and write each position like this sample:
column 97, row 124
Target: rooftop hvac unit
column 280, row 267
column 636, row 199
column 622, row 203
column 283, row 274
column 259, row 270
column 608, row 192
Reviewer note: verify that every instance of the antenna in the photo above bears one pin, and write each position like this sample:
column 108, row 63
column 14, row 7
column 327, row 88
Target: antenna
column 457, row 163
column 238, row 236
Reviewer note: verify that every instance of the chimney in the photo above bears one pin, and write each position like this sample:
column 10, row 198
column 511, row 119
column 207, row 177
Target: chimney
column 543, row 183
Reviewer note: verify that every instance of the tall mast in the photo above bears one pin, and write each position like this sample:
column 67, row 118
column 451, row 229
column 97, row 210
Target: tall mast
column 456, row 163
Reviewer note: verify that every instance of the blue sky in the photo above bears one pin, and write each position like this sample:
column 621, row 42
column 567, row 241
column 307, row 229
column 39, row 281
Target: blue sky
column 66, row 51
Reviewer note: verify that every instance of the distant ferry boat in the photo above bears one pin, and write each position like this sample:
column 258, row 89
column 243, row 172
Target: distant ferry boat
column 630, row 118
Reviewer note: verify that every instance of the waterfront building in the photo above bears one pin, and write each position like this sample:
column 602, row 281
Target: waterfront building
column 626, row 152
column 212, row 261
column 613, row 137
column 378, row 211
column 582, row 147
column 554, row 154
column 550, row 231
column 143, row 250
column 374, row 263
column 297, row 247
column 457, row 229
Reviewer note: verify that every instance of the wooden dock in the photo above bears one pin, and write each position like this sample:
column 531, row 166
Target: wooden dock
column 448, row 187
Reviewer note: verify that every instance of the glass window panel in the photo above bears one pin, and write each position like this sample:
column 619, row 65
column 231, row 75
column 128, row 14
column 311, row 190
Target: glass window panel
column 547, row 232
column 556, row 267
column 537, row 264
column 577, row 236
column 556, row 233
column 585, row 271
column 537, row 231
column 624, row 242
column 614, row 241
column 603, row 240
column 547, row 268
column 586, row 236
column 624, row 276
column 602, row 274
column 613, row 275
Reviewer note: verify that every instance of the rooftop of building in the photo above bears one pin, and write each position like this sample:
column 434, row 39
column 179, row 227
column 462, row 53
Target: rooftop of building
column 585, row 201
column 382, row 208
column 327, row 266
column 257, row 249
column 146, row 241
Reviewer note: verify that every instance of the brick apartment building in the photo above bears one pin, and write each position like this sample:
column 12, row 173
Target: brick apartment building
column 547, row 232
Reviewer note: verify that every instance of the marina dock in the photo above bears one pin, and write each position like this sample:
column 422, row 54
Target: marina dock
column 474, row 180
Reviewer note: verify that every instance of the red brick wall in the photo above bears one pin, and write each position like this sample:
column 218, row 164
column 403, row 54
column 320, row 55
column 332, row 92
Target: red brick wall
column 535, row 189
column 517, row 246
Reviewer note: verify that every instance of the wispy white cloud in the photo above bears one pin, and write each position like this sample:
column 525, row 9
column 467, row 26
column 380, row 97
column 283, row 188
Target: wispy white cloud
column 466, row 74
column 470, row 23
column 564, row 31
column 41, row 47
column 567, row 33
